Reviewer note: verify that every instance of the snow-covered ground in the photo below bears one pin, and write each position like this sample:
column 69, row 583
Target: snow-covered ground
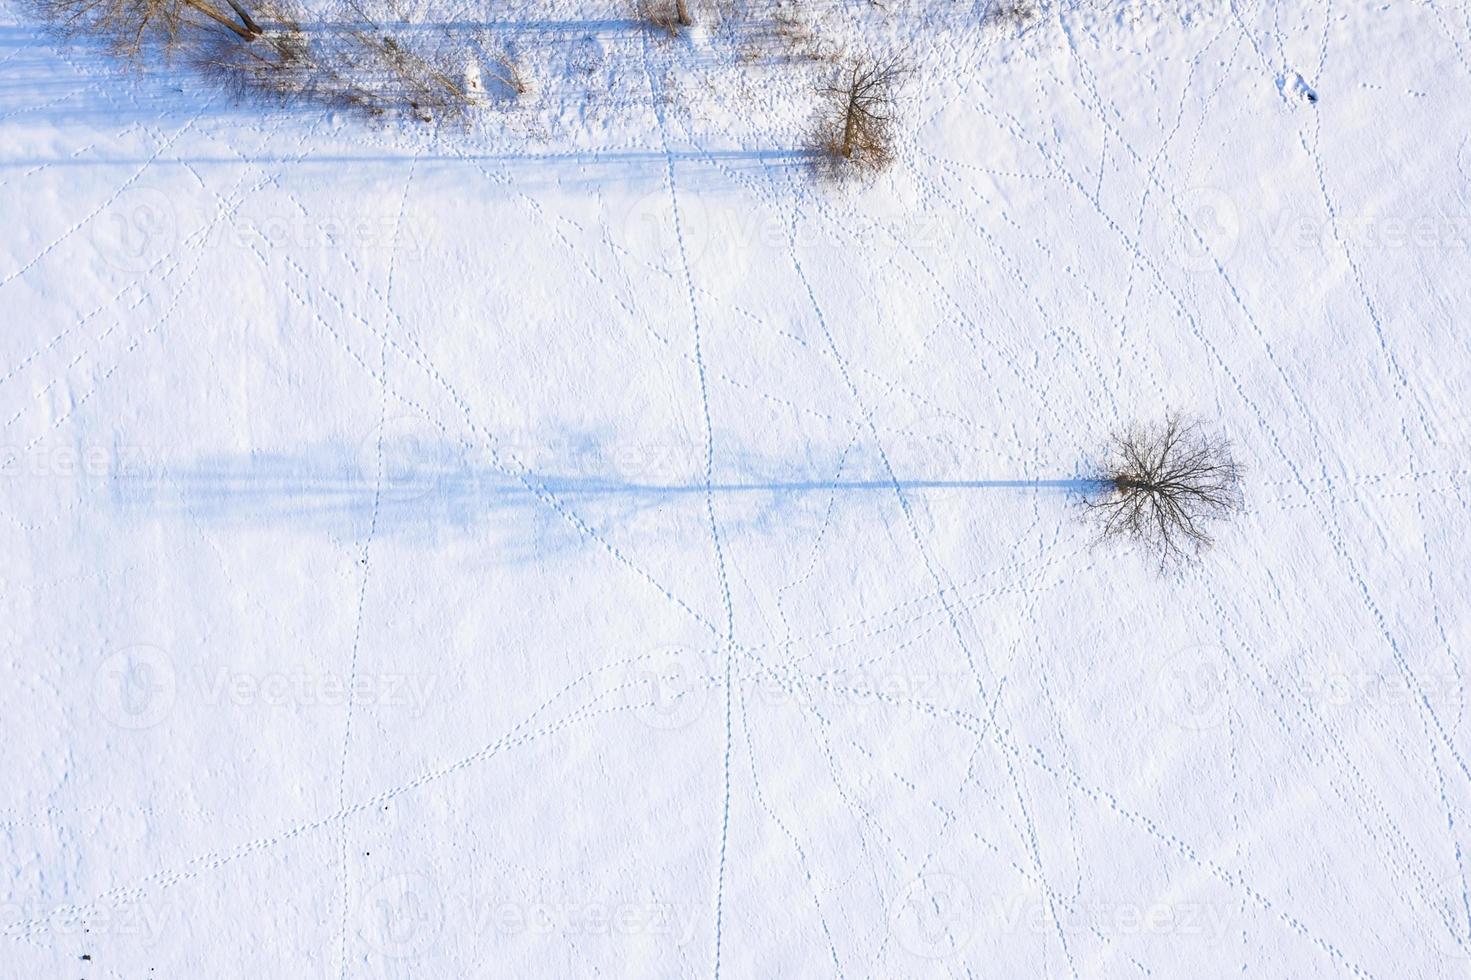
column 517, row 552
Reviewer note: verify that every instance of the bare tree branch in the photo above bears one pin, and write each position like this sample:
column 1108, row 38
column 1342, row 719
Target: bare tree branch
column 858, row 115
column 132, row 26
column 1163, row 486
column 670, row 16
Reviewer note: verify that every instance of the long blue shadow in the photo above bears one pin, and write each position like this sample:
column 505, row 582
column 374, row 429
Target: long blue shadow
column 435, row 489
column 591, row 487
column 586, row 159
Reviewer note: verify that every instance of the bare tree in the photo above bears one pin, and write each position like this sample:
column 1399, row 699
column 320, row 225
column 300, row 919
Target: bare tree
column 365, row 63
column 671, row 16
column 287, row 66
column 262, row 51
column 859, row 111
column 422, row 83
column 1163, row 486
column 132, row 26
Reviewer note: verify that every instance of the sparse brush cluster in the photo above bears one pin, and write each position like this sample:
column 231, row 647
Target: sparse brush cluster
column 1013, row 15
column 366, row 59
column 359, row 64
column 669, row 16
column 370, row 56
column 132, row 27
column 857, row 94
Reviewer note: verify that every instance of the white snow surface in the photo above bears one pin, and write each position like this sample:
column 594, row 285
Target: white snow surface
column 588, row 545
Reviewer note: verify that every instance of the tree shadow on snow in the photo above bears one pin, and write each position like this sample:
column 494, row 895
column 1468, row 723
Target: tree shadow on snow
column 528, row 499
